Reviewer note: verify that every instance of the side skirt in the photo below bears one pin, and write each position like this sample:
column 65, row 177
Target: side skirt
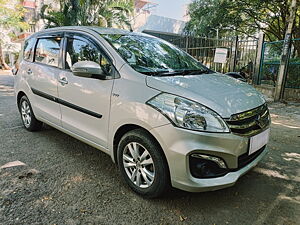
column 91, row 143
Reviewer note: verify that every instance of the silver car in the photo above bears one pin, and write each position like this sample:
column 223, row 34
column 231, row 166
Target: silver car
column 164, row 118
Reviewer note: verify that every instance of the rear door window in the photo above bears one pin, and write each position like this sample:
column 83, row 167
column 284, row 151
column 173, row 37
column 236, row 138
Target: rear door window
column 48, row 51
column 28, row 49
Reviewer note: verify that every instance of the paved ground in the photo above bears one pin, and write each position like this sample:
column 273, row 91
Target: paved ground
column 68, row 182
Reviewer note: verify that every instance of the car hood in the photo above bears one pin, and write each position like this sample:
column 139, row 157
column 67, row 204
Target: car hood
column 221, row 93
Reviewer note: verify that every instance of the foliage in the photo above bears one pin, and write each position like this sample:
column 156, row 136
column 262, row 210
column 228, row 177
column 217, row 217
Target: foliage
column 293, row 77
column 271, row 63
column 11, row 21
column 241, row 17
column 270, row 71
column 104, row 13
column 11, row 17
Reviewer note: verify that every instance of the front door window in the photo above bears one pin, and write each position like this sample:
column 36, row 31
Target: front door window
column 81, row 50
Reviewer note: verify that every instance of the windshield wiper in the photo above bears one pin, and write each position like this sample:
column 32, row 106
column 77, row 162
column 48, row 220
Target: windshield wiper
column 162, row 73
column 172, row 73
column 176, row 72
column 184, row 72
column 154, row 73
column 195, row 72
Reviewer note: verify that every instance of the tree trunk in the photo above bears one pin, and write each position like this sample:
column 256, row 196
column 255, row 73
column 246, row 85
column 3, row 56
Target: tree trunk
column 2, row 60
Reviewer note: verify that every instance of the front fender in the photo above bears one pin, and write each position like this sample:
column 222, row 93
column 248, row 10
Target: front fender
column 128, row 106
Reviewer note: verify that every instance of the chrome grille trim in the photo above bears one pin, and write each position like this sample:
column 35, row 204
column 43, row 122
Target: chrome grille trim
column 250, row 122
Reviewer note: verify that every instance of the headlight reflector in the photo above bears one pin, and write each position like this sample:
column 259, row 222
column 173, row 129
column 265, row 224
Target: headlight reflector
column 187, row 114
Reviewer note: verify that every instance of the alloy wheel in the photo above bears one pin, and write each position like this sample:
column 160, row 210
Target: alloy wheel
column 138, row 165
column 26, row 113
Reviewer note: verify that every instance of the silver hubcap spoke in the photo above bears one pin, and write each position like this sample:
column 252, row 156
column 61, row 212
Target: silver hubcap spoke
column 133, row 175
column 148, row 173
column 144, row 155
column 147, row 162
column 148, row 181
column 138, row 165
column 138, row 178
column 129, row 165
column 26, row 114
column 133, row 148
column 127, row 158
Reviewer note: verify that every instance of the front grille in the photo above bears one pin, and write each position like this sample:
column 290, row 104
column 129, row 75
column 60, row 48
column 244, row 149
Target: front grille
column 250, row 122
column 245, row 159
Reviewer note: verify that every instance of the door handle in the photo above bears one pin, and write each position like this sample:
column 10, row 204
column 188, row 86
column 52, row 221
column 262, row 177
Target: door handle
column 63, row 81
column 29, row 71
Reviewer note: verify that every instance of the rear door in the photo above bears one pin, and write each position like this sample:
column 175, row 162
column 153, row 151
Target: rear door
column 85, row 102
column 42, row 76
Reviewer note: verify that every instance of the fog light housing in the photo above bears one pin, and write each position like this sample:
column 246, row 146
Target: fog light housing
column 206, row 166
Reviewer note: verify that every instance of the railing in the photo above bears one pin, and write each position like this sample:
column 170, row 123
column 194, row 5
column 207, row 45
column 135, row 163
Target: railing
column 270, row 63
column 241, row 53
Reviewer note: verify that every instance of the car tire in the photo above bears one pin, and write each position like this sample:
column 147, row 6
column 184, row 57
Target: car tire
column 142, row 164
column 29, row 121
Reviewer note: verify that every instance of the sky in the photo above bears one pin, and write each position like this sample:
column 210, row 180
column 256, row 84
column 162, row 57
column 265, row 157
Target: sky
column 174, row 9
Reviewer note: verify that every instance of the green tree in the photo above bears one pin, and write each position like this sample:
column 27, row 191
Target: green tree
column 11, row 20
column 88, row 13
column 241, row 17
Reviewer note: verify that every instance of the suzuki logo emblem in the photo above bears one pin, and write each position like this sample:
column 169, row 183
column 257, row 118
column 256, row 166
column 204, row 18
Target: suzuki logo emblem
column 259, row 121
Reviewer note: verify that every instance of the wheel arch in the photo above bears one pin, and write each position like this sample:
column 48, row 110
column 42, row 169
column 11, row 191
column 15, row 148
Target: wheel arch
column 119, row 134
column 123, row 130
column 19, row 96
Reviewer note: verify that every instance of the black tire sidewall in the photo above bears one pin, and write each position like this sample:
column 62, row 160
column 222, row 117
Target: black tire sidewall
column 34, row 123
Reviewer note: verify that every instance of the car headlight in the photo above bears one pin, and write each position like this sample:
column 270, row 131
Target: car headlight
column 187, row 114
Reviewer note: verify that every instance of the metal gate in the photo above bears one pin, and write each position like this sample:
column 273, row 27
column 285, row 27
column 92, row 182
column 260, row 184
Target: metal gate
column 270, row 62
column 246, row 56
column 241, row 53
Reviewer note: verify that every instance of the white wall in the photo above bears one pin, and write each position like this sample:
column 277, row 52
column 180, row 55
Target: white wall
column 158, row 23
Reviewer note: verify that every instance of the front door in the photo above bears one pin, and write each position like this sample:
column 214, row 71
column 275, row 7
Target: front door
column 85, row 102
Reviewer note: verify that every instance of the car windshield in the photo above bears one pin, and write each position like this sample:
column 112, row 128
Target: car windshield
column 153, row 56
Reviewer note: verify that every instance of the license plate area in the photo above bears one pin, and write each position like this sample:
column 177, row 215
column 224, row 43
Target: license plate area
column 258, row 141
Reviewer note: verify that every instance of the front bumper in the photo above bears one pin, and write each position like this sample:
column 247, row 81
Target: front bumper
column 211, row 184
column 179, row 143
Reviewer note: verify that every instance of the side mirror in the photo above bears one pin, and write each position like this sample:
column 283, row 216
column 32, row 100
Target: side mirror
column 88, row 69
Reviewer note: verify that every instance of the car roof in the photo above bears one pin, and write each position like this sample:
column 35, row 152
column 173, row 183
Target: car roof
column 99, row 30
